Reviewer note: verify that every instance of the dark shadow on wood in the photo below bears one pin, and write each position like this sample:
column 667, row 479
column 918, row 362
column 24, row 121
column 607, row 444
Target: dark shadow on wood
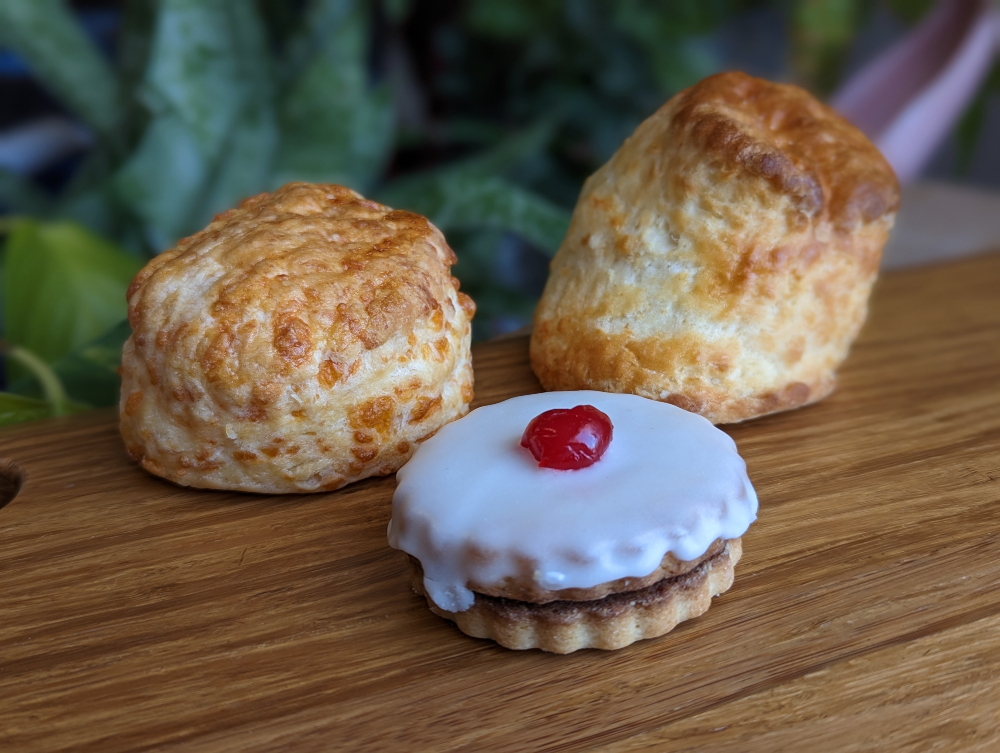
column 11, row 479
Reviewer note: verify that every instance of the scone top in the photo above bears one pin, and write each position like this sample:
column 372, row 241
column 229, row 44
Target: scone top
column 480, row 515
column 801, row 147
column 294, row 256
column 722, row 259
column 302, row 340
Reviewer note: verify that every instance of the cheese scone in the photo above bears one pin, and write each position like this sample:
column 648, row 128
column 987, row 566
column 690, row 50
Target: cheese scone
column 723, row 258
column 306, row 339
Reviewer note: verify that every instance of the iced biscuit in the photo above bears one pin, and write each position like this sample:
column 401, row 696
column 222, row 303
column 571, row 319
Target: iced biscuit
column 599, row 557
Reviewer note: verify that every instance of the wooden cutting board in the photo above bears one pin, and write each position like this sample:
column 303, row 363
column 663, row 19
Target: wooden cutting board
column 135, row 614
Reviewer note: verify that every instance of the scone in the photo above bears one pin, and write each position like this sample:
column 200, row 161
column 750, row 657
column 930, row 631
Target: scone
column 306, row 339
column 598, row 557
column 722, row 259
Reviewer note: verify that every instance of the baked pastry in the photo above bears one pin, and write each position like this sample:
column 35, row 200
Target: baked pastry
column 599, row 557
column 303, row 340
column 722, row 259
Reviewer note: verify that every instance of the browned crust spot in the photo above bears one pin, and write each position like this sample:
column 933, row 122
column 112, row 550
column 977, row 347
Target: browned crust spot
column 329, row 373
column 424, row 407
column 802, row 147
column 375, row 413
column 293, row 340
column 364, row 453
column 133, row 402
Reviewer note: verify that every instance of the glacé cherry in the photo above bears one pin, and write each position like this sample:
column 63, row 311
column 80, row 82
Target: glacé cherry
column 568, row 439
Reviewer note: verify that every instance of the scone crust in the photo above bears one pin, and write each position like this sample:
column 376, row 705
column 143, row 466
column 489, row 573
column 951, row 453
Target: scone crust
column 723, row 258
column 614, row 621
column 306, row 339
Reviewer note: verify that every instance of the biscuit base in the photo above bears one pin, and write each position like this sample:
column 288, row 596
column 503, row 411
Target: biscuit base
column 612, row 622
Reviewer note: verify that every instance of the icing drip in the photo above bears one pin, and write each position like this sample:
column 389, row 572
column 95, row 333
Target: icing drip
column 474, row 507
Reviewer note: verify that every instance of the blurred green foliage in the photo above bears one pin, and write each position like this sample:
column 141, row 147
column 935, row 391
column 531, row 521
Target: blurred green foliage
column 823, row 29
column 64, row 286
column 209, row 101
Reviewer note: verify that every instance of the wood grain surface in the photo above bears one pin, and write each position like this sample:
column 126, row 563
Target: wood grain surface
column 865, row 614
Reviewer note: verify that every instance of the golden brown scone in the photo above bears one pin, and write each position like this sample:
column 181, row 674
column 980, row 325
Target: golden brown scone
column 722, row 259
column 304, row 340
column 614, row 621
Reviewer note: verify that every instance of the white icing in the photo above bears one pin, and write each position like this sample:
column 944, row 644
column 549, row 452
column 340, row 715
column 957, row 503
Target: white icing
column 474, row 507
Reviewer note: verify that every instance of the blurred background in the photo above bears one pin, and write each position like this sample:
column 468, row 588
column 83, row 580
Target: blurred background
column 126, row 124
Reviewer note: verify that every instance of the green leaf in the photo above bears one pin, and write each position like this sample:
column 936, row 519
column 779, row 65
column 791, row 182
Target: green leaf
column 213, row 134
column 683, row 64
column 15, row 408
column 280, row 17
column 91, row 200
column 495, row 302
column 822, row 31
column 194, row 71
column 511, row 19
column 89, row 373
column 336, row 140
column 486, row 276
column 477, row 252
column 677, row 52
column 334, row 127
column 493, row 162
column 657, row 21
column 135, row 41
column 462, row 201
column 397, row 10
column 509, row 152
column 20, row 196
column 64, row 59
column 476, row 131
column 50, row 384
column 64, row 286
column 163, row 181
column 246, row 161
column 321, row 20
column 98, row 209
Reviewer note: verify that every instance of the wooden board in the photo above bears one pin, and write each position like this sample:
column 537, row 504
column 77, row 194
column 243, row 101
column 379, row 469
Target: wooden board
column 865, row 614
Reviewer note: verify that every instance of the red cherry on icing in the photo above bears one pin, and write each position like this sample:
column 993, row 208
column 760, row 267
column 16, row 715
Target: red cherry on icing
column 568, row 438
